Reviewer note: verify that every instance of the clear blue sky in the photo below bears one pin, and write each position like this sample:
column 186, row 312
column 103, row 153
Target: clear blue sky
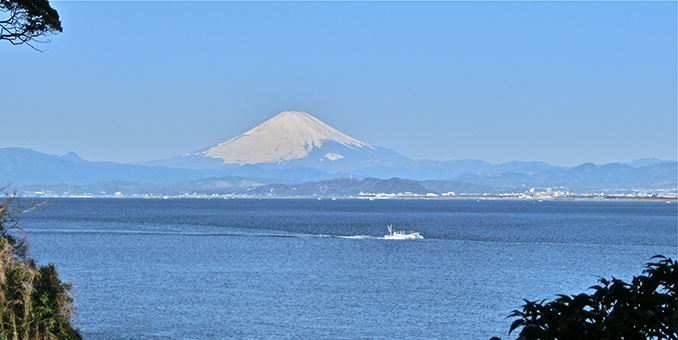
column 559, row 82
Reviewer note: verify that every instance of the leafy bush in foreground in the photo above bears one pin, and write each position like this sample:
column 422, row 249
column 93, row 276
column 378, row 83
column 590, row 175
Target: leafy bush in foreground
column 646, row 308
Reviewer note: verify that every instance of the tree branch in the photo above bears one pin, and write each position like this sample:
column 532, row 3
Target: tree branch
column 27, row 21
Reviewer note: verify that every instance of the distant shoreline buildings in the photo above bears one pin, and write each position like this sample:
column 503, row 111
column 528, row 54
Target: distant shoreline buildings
column 559, row 194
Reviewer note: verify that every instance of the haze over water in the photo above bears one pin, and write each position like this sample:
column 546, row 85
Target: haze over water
column 213, row 269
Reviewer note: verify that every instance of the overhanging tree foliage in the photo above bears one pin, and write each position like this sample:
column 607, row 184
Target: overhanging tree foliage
column 24, row 21
column 646, row 308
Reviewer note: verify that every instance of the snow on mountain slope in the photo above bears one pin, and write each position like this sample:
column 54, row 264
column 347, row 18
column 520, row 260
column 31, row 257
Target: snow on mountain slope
column 287, row 136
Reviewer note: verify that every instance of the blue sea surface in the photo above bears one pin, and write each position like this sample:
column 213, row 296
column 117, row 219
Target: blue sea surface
column 309, row 269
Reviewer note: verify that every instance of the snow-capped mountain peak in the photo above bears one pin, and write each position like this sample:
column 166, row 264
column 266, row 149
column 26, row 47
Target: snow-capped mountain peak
column 287, row 136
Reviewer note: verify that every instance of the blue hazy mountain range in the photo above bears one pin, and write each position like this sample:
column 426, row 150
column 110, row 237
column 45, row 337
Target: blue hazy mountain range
column 19, row 166
column 27, row 167
column 295, row 147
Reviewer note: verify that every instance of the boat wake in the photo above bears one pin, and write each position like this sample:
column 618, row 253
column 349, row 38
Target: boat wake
column 185, row 233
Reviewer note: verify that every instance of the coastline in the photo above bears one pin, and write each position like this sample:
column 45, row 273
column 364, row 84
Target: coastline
column 371, row 198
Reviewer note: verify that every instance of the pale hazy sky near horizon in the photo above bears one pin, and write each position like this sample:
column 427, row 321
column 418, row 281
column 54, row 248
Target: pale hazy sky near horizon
column 559, row 82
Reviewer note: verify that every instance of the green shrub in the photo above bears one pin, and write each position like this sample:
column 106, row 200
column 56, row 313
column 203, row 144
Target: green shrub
column 34, row 303
column 646, row 308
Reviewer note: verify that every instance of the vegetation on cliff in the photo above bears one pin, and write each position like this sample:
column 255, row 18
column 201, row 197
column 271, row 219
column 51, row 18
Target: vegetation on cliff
column 34, row 303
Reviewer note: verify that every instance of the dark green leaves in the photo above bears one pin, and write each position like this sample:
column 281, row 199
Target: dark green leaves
column 646, row 308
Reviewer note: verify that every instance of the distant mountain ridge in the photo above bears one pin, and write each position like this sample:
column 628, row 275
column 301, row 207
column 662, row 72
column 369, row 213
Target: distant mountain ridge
column 645, row 162
column 295, row 146
column 449, row 170
column 20, row 166
column 26, row 167
column 611, row 176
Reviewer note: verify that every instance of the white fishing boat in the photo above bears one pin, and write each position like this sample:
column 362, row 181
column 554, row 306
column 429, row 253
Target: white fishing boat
column 401, row 235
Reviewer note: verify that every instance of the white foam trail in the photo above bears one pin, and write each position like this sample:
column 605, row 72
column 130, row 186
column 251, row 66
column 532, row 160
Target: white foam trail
column 184, row 233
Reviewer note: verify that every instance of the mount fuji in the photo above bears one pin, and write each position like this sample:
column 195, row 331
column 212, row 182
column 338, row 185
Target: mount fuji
column 291, row 139
column 297, row 147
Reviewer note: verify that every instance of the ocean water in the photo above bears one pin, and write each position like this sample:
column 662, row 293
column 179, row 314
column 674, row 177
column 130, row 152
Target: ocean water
column 309, row 269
